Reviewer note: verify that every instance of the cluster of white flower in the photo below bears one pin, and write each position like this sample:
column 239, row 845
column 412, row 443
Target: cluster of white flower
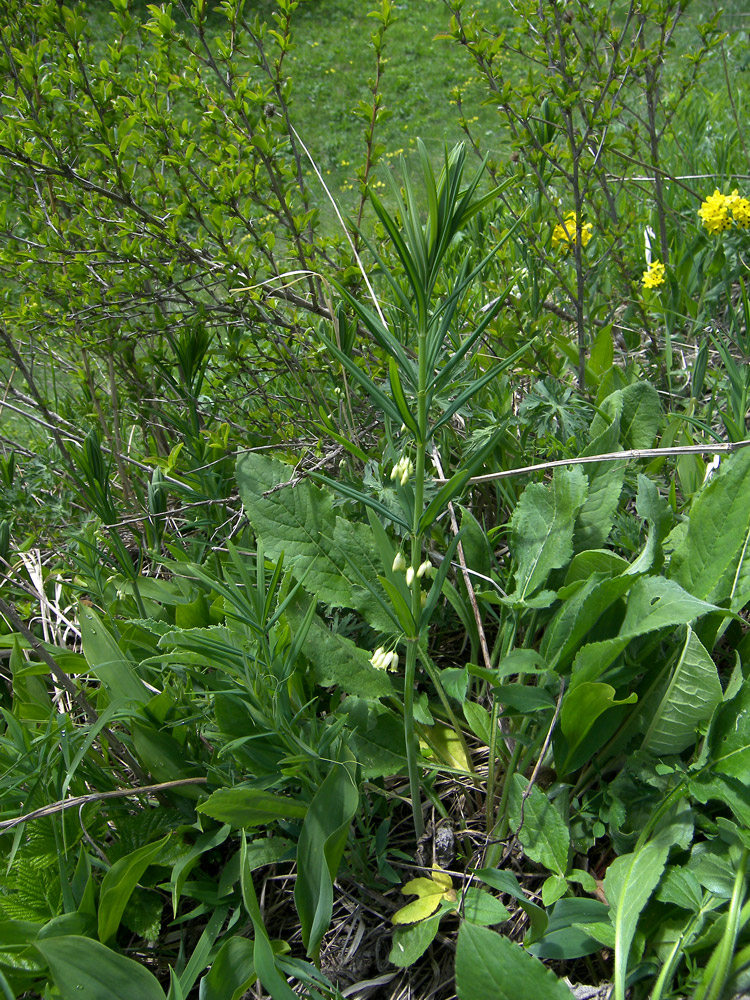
column 381, row 659
column 402, row 470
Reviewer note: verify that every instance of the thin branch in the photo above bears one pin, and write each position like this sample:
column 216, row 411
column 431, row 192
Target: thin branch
column 612, row 456
column 82, row 800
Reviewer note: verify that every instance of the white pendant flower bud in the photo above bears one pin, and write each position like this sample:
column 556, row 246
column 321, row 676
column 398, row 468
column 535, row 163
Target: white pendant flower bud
column 399, row 563
column 379, row 658
column 425, row 569
column 410, row 576
column 393, row 664
column 402, row 470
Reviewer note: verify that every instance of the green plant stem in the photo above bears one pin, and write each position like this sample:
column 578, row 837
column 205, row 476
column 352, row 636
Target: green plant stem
column 434, row 676
column 490, row 820
column 677, row 793
column 416, row 601
column 717, row 970
column 500, row 830
column 410, row 736
column 676, row 953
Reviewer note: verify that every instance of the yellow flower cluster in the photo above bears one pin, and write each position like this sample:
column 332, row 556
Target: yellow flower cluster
column 654, row 275
column 564, row 233
column 719, row 210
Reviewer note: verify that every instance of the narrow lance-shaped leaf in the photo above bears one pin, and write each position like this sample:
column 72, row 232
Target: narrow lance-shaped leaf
column 321, row 845
column 628, row 885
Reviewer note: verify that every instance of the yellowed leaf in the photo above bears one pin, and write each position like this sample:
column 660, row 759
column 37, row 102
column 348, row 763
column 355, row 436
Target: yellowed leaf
column 431, row 891
column 447, row 746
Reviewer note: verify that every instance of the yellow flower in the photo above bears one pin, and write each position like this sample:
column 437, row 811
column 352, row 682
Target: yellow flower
column 715, row 211
column 740, row 209
column 564, row 233
column 655, row 275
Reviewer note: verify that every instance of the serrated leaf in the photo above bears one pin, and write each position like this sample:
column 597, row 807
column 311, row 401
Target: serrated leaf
column 544, row 835
column 712, row 560
column 336, row 660
column 542, row 527
column 300, row 522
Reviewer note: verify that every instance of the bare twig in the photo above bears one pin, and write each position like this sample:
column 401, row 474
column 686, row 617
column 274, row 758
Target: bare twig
column 612, row 456
column 82, row 800
column 540, row 758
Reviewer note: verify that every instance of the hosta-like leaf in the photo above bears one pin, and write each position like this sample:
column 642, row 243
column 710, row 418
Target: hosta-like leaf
column 319, row 850
column 83, row 969
column 694, row 690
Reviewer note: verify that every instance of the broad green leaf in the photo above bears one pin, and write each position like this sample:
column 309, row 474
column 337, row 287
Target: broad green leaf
column 694, row 690
column 582, row 706
column 542, row 527
column 596, row 517
column 335, row 659
column 264, row 959
column 712, row 560
column 481, row 907
column 479, row 721
column 628, row 885
column 411, row 941
column 232, row 972
column 491, row 966
column 655, row 602
column 585, row 564
column 321, row 845
column 431, row 892
column 251, row 807
column 119, row 883
column 553, row 888
column 729, row 736
column 83, row 969
column 507, row 882
column 681, row 888
column 641, row 415
column 564, row 939
column 655, row 510
column 300, row 522
column 109, row 664
column 544, row 835
column 579, row 615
